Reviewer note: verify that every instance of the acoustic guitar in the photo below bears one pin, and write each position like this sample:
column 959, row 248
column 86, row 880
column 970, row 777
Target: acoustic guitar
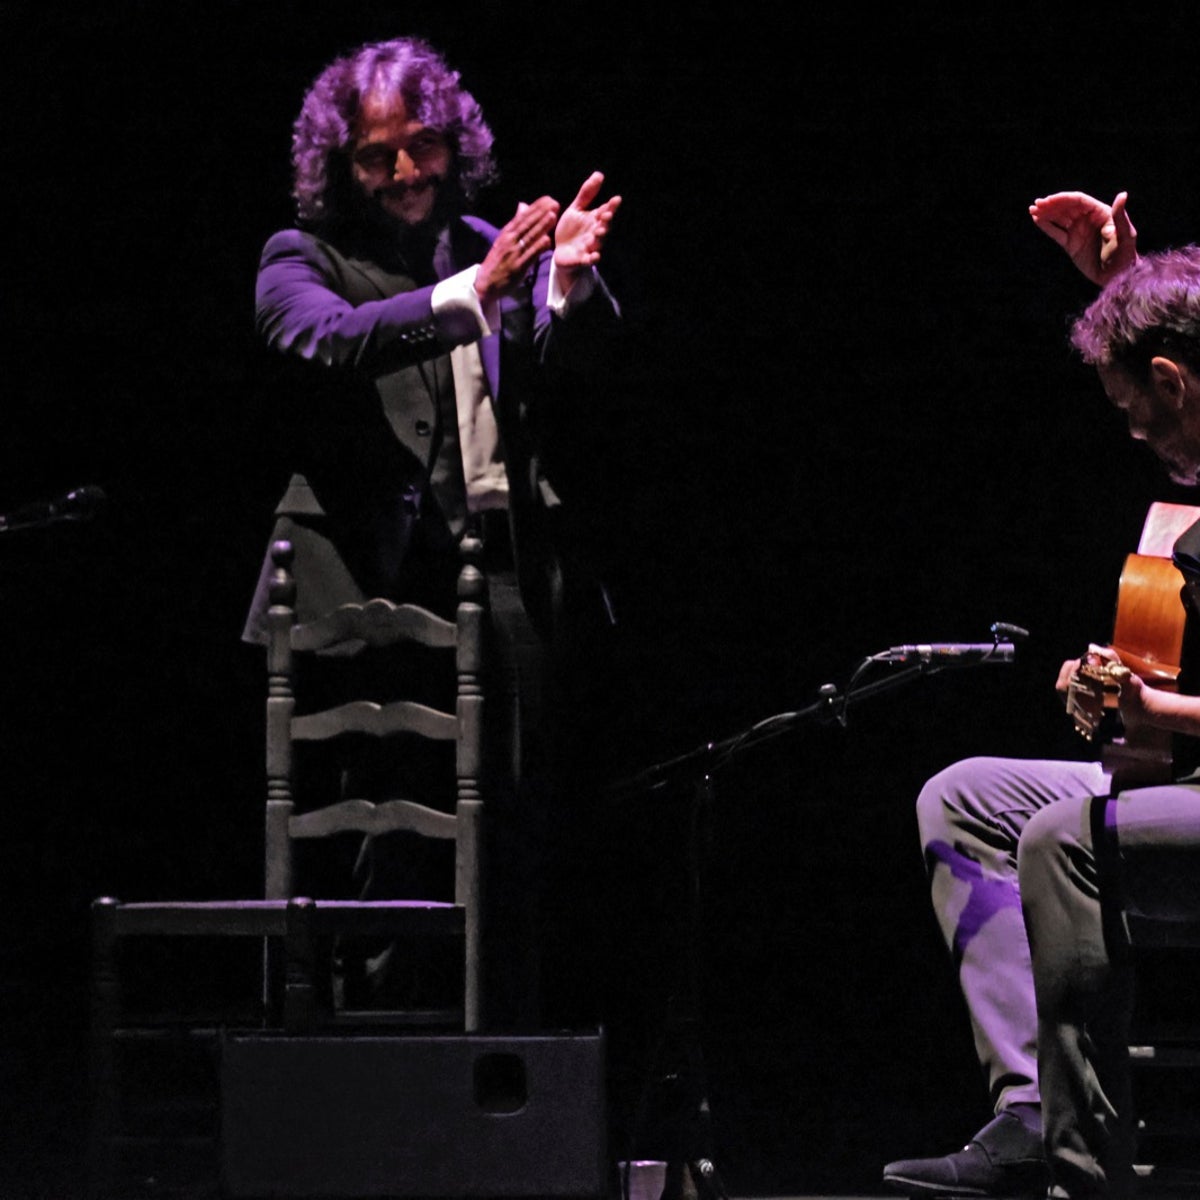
column 1148, row 639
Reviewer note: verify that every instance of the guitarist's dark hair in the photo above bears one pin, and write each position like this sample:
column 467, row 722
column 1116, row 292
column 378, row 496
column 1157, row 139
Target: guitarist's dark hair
column 1152, row 308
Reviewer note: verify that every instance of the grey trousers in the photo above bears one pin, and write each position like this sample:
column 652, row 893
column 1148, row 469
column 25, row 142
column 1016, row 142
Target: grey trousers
column 1031, row 868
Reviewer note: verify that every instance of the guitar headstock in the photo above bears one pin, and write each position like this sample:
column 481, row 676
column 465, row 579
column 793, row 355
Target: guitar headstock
column 1094, row 689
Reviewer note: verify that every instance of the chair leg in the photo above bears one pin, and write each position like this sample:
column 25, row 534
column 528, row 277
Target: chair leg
column 468, row 888
column 105, row 1005
column 300, row 1001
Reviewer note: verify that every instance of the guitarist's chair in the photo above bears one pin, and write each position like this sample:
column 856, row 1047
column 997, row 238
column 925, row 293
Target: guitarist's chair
column 1148, row 634
column 1165, row 1048
column 289, row 938
column 1165, row 1052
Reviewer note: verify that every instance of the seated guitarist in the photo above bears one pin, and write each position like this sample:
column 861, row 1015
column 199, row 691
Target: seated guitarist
column 1032, row 862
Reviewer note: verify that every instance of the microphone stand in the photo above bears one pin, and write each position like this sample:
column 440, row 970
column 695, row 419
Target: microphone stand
column 693, row 1172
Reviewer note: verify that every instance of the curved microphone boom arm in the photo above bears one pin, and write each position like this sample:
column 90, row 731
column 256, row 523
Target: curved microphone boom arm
column 914, row 660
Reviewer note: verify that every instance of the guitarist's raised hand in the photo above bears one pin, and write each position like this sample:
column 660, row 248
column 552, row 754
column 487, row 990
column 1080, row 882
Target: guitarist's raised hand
column 1099, row 238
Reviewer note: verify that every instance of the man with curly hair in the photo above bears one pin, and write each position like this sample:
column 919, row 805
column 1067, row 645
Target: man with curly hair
column 1033, row 864
column 422, row 344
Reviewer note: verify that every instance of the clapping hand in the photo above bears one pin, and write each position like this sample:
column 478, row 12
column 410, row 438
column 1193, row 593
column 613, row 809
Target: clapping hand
column 516, row 248
column 581, row 230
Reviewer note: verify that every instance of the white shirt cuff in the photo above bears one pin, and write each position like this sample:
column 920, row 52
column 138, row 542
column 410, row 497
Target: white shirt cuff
column 460, row 313
column 561, row 300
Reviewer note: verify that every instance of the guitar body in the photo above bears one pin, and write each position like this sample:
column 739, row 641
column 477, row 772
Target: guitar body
column 1150, row 617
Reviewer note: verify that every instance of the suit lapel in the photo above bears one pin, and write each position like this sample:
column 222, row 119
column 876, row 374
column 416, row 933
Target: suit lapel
column 374, row 278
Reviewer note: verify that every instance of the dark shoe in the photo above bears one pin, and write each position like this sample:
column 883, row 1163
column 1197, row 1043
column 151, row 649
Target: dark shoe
column 1004, row 1159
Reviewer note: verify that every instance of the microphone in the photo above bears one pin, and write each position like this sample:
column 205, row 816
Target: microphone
column 950, row 653
column 1013, row 631
column 82, row 504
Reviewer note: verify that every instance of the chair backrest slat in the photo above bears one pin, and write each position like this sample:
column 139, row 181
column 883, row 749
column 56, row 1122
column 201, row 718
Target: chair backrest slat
column 375, row 720
column 367, row 817
column 376, row 623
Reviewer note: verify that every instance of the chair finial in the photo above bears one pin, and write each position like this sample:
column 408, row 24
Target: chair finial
column 282, row 588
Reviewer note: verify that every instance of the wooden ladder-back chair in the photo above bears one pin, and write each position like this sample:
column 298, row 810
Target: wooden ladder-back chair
column 289, row 994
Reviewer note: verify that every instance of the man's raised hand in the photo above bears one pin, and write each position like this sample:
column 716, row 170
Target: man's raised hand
column 1099, row 238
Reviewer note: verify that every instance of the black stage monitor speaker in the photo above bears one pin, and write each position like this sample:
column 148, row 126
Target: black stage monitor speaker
column 444, row 1116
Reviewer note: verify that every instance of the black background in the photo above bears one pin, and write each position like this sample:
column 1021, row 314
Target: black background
column 844, row 416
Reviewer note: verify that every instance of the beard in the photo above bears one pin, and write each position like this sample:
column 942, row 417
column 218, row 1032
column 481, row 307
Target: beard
column 398, row 193
column 1181, row 469
column 361, row 220
column 357, row 221
column 446, row 203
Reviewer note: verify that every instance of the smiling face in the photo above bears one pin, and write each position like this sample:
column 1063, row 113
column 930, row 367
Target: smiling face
column 396, row 161
column 1163, row 412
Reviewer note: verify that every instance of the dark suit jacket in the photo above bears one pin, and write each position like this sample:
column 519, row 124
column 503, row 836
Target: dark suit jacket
column 361, row 342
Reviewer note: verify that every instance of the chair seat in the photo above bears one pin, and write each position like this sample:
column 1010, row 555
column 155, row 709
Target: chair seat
column 279, row 918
